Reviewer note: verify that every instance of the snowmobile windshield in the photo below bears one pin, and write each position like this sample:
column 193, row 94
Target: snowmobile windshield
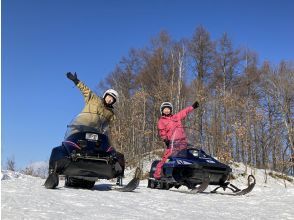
column 182, row 138
column 87, row 122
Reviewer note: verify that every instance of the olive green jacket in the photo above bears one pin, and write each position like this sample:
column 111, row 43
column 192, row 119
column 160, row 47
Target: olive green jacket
column 94, row 114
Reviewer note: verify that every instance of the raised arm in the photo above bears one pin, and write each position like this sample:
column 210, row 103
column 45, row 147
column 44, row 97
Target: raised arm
column 183, row 113
column 87, row 92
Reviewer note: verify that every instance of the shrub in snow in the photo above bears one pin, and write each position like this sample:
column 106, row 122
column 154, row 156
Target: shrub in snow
column 38, row 169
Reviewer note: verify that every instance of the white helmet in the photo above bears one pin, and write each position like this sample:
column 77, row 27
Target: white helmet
column 112, row 93
column 166, row 105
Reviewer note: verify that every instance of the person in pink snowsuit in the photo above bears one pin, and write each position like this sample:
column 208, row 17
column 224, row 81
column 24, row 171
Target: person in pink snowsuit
column 170, row 130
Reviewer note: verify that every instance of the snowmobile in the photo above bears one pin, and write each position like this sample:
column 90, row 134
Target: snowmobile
column 85, row 156
column 192, row 167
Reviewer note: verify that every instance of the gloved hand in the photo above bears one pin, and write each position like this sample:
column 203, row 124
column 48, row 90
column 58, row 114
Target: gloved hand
column 167, row 142
column 73, row 77
column 195, row 104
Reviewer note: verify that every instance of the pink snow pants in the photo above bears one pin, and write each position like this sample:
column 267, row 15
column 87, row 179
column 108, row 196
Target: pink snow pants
column 157, row 173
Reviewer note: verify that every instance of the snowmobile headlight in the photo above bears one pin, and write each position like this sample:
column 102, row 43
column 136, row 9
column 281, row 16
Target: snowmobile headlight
column 195, row 153
column 92, row 137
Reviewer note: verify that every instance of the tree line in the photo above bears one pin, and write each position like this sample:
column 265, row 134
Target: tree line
column 246, row 106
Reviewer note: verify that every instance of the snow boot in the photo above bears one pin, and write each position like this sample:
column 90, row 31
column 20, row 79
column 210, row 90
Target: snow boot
column 52, row 180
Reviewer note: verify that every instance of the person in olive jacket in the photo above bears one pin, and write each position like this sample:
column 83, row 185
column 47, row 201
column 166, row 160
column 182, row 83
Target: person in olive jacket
column 97, row 113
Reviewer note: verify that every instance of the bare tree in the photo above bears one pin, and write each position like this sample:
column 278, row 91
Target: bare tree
column 202, row 52
column 10, row 163
column 279, row 85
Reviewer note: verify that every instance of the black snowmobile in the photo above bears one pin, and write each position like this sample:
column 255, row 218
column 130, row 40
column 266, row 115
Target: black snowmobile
column 86, row 156
column 192, row 167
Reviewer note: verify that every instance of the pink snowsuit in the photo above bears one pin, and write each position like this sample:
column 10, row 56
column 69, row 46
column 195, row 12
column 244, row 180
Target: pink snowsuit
column 170, row 128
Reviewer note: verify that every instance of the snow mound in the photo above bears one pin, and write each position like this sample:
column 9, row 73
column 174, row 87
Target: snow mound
column 10, row 175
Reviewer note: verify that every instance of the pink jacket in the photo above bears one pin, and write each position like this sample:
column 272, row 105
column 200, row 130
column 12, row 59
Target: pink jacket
column 171, row 128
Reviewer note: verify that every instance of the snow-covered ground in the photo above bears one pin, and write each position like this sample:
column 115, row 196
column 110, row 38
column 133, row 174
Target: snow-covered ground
column 24, row 197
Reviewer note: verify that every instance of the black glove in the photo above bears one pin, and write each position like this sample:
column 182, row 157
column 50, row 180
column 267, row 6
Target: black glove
column 195, row 105
column 167, row 142
column 73, row 77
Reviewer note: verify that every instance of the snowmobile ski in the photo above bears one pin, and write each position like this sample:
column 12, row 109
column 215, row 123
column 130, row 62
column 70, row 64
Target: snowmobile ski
column 132, row 185
column 235, row 190
column 52, row 181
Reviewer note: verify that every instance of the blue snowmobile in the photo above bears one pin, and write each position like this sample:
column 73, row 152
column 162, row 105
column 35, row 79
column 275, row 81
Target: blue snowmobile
column 85, row 156
column 192, row 167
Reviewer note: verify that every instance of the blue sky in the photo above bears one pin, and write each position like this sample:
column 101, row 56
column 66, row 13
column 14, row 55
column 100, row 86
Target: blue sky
column 43, row 39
